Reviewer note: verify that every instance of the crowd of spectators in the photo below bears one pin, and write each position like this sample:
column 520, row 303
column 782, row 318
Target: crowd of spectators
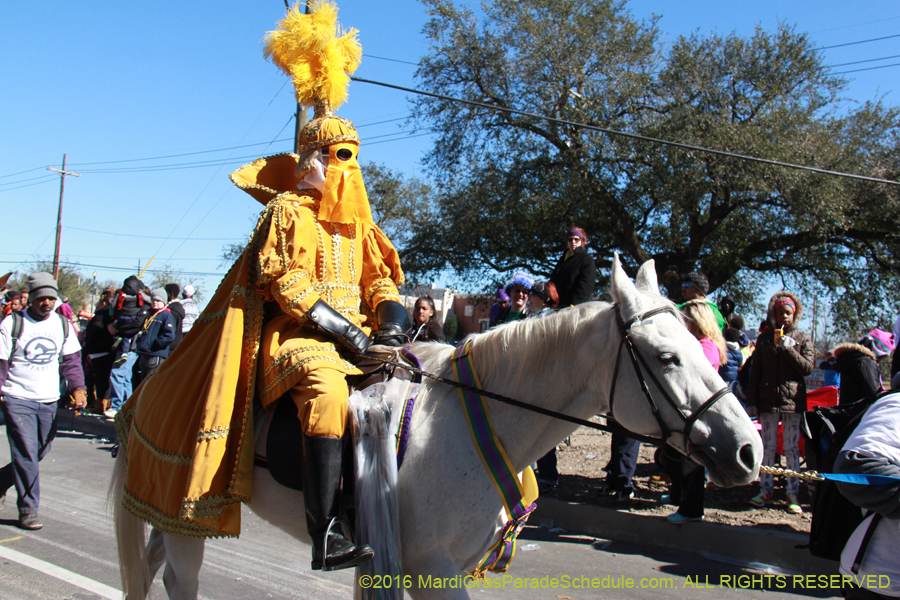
column 131, row 330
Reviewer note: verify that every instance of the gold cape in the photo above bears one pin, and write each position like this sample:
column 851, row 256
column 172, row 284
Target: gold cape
column 187, row 432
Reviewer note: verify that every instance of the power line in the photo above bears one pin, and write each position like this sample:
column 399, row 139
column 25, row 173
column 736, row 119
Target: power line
column 854, row 25
column 126, row 269
column 155, row 237
column 859, row 62
column 406, row 62
column 21, row 172
column 29, row 179
column 80, row 256
column 887, row 37
column 631, row 135
column 867, row 69
column 51, row 178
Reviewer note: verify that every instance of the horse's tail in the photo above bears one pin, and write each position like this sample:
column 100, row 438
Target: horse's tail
column 130, row 537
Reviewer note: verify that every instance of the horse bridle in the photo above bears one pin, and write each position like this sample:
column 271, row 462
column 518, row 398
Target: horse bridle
column 637, row 360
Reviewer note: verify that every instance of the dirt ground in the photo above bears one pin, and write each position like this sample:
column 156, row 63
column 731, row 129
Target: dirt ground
column 581, row 473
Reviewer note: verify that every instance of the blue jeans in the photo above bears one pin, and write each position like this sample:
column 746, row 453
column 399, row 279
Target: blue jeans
column 120, row 381
column 623, row 459
column 30, row 428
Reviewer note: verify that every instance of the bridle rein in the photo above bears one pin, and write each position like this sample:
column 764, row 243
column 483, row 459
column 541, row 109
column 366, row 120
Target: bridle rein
column 637, row 359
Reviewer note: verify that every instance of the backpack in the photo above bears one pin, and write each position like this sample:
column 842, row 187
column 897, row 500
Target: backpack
column 18, row 323
column 834, row 517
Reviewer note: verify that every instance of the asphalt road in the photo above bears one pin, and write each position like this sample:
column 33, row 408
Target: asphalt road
column 74, row 556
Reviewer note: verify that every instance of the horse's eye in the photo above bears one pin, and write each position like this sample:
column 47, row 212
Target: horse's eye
column 667, row 358
column 344, row 154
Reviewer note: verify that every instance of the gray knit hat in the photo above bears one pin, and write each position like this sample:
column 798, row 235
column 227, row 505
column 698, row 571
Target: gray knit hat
column 159, row 294
column 42, row 285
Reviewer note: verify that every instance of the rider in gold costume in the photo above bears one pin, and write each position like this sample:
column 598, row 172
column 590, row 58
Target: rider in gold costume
column 293, row 302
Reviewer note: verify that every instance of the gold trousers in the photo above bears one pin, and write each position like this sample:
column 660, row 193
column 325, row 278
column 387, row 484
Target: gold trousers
column 321, row 400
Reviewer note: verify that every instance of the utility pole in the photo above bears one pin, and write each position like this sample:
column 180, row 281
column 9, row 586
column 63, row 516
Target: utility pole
column 62, row 185
column 300, row 117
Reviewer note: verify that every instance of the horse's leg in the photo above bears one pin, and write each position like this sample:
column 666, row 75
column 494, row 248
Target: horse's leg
column 435, row 573
column 156, row 552
column 130, row 533
column 184, row 557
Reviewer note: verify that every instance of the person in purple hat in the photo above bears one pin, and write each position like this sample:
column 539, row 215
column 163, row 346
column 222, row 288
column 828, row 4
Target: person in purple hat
column 858, row 366
column 576, row 273
column 502, row 301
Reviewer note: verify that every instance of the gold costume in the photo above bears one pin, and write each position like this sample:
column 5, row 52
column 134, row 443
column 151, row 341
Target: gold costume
column 187, row 431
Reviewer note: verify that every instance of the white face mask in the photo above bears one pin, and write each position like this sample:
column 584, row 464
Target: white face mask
column 316, row 177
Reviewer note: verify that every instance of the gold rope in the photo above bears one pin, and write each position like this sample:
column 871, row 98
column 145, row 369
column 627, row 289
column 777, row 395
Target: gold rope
column 806, row 475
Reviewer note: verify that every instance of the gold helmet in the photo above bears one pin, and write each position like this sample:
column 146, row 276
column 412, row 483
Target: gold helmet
column 320, row 57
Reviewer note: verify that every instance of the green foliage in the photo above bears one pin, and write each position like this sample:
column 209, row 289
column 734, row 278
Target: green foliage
column 451, row 328
column 508, row 186
column 158, row 278
column 72, row 284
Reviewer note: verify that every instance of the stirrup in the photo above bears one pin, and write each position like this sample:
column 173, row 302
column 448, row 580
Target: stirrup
column 354, row 555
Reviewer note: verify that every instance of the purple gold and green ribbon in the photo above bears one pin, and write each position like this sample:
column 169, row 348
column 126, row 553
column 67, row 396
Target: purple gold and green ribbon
column 518, row 496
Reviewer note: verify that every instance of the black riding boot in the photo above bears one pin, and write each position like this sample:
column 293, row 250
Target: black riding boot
column 321, row 479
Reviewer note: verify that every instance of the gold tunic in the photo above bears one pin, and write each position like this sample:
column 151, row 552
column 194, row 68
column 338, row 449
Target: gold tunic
column 187, row 432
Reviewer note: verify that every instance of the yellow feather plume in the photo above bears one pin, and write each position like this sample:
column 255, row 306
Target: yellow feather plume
column 317, row 55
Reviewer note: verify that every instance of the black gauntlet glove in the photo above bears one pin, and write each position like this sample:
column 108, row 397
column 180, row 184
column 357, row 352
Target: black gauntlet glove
column 345, row 333
column 392, row 324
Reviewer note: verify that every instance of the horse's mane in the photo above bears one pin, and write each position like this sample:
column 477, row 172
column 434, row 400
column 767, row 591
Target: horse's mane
column 518, row 349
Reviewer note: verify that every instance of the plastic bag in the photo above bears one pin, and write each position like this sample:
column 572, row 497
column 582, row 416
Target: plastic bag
column 375, row 415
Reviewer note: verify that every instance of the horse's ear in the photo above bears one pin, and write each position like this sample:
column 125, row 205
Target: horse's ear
column 646, row 278
column 624, row 293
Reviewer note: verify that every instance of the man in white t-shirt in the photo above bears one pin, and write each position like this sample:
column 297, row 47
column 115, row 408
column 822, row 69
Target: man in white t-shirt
column 36, row 348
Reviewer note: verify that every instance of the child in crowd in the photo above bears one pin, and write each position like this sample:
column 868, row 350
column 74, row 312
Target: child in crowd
column 689, row 478
column 777, row 390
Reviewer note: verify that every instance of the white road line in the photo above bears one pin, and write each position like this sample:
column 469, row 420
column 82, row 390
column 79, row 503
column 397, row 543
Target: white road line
column 59, row 573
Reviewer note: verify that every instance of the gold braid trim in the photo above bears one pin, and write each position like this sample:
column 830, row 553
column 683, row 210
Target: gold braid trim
column 169, row 457
column 296, row 351
column 336, row 139
column 213, row 434
column 298, row 299
column 253, row 319
column 376, row 287
column 207, row 508
column 301, row 274
column 168, row 523
column 300, row 363
column 208, row 317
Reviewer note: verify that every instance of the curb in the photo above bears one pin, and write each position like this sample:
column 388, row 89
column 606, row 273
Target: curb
column 86, row 423
column 771, row 547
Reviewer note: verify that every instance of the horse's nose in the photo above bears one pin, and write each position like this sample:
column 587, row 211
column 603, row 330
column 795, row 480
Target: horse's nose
column 747, row 457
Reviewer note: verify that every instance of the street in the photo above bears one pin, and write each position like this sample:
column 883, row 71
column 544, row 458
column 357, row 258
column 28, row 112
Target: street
column 74, row 555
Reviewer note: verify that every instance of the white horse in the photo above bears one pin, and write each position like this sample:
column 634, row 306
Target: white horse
column 564, row 362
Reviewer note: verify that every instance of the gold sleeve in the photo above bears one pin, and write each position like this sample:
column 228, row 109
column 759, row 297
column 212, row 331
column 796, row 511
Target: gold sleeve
column 287, row 261
column 381, row 269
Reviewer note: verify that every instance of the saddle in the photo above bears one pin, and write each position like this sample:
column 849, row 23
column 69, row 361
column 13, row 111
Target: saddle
column 283, row 432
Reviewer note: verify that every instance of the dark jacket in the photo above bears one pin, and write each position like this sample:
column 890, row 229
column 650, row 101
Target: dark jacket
column 178, row 315
column 575, row 278
column 777, row 372
column 158, row 337
column 729, row 371
column 501, row 316
column 97, row 338
column 860, row 377
column 131, row 308
column 430, row 332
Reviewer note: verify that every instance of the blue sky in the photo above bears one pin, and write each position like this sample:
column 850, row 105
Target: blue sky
column 109, row 83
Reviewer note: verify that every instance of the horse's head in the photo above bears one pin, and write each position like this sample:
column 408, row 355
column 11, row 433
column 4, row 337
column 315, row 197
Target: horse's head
column 663, row 385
